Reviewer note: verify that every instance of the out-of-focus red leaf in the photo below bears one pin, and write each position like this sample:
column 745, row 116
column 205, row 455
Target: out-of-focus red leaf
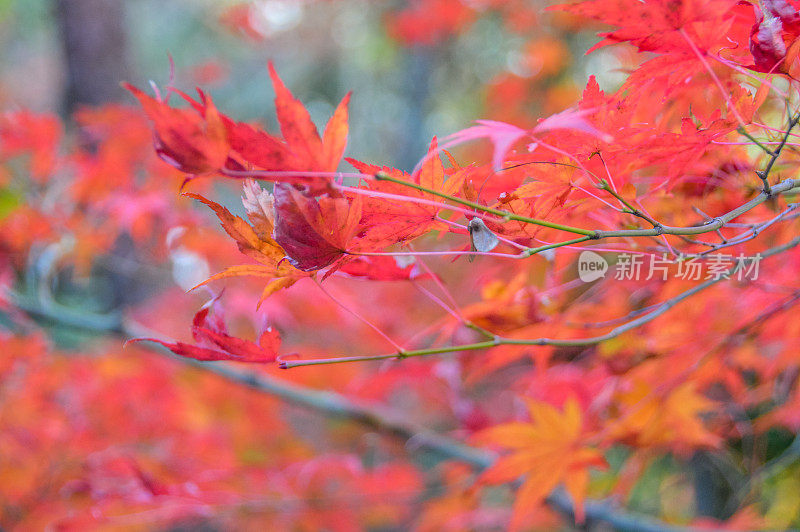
column 428, row 22
column 37, row 134
column 240, row 19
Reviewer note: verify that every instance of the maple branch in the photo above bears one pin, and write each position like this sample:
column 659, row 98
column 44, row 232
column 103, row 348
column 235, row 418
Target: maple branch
column 657, row 310
column 764, row 174
column 712, row 225
column 659, row 229
column 631, row 209
column 499, row 340
column 533, row 251
column 525, row 253
column 505, row 215
column 337, row 405
column 751, row 233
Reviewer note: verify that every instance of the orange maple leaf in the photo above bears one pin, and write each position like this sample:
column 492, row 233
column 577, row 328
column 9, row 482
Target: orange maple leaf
column 549, row 450
column 257, row 243
column 673, row 419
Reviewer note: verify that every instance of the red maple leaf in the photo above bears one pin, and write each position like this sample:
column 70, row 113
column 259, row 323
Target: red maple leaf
column 389, row 221
column 214, row 342
column 201, row 140
column 193, row 142
column 314, row 232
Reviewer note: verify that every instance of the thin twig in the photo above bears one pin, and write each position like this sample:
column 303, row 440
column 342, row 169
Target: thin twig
column 712, row 225
column 764, row 174
column 742, row 131
column 631, row 209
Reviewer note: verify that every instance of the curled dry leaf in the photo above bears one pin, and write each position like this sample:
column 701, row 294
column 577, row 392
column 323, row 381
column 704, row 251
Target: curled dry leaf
column 481, row 237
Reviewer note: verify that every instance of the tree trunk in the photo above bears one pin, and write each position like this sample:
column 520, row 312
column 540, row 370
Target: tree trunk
column 95, row 50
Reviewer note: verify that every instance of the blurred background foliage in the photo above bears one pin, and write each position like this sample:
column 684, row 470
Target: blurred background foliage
column 413, row 75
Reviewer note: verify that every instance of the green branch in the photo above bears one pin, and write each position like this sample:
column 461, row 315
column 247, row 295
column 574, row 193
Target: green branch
column 631, row 209
column 505, row 215
column 533, row 251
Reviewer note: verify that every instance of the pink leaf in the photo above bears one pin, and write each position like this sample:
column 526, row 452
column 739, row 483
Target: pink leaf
column 572, row 119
